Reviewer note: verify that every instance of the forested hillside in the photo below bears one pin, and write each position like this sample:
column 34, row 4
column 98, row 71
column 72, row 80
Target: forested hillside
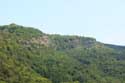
column 28, row 55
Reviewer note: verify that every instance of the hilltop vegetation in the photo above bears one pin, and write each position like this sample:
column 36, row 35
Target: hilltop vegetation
column 28, row 55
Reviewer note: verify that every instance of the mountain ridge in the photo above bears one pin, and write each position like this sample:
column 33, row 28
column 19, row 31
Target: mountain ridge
column 52, row 58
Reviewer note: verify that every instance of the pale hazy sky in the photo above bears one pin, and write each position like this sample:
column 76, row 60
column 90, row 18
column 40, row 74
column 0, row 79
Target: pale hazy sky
column 101, row 19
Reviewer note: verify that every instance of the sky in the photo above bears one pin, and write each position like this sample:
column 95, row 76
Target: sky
column 100, row 19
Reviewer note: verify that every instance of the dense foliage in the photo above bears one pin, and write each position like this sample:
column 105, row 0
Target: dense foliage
column 29, row 56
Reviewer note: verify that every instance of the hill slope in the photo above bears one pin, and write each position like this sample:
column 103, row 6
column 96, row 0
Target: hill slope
column 28, row 55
